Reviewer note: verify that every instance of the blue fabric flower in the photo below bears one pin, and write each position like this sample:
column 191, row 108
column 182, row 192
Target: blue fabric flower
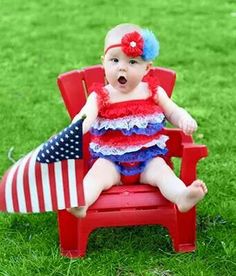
column 151, row 45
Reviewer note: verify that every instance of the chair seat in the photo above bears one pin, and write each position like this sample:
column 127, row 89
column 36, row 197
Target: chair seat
column 138, row 196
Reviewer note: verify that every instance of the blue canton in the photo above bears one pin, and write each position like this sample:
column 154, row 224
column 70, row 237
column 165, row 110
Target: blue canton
column 65, row 145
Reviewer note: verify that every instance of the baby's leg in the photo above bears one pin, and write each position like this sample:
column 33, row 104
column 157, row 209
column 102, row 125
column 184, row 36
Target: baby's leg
column 158, row 173
column 100, row 177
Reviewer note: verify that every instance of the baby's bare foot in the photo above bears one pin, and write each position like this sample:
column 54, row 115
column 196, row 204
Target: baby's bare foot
column 79, row 212
column 194, row 193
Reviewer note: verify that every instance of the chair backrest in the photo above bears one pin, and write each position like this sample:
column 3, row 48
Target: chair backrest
column 74, row 87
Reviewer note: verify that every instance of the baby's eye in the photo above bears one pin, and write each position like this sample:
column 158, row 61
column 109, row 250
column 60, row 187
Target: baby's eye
column 115, row 60
column 133, row 61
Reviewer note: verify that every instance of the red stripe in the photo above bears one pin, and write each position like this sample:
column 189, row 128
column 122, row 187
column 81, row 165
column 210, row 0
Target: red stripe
column 3, row 206
column 65, row 180
column 79, row 174
column 14, row 192
column 26, row 187
column 39, row 185
column 52, row 183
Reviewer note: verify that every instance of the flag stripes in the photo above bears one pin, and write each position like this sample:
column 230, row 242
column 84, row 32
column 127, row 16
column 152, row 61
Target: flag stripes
column 29, row 186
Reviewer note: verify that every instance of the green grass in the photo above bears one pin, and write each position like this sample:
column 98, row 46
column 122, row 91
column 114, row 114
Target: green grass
column 41, row 39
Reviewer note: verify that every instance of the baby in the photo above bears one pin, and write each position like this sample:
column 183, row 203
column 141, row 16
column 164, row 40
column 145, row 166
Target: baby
column 126, row 117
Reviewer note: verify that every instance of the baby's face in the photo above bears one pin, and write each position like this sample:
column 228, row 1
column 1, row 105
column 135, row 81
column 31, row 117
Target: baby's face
column 122, row 72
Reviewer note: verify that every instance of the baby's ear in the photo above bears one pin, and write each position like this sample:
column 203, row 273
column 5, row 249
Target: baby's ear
column 149, row 66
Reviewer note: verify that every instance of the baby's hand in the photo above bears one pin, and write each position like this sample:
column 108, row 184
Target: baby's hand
column 188, row 125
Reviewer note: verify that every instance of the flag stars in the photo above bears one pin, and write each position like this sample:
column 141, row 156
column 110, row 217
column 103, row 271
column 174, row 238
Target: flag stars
column 63, row 146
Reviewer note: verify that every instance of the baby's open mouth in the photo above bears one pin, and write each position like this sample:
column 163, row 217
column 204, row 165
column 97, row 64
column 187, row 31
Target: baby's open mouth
column 122, row 80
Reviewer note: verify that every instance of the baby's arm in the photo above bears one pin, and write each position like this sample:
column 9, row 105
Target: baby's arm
column 90, row 111
column 175, row 114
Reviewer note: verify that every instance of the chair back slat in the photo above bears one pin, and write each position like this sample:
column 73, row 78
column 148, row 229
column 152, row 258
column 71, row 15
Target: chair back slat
column 92, row 75
column 166, row 77
column 72, row 90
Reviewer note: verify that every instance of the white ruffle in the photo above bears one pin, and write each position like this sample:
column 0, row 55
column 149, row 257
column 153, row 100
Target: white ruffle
column 128, row 122
column 106, row 150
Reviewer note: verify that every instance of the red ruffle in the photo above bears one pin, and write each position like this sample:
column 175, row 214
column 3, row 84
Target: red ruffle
column 117, row 139
column 128, row 108
column 103, row 97
column 133, row 107
column 153, row 83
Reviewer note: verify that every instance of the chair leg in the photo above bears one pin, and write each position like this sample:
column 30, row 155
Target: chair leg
column 73, row 236
column 184, row 238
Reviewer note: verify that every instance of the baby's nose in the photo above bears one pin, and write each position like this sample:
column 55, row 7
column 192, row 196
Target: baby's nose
column 122, row 67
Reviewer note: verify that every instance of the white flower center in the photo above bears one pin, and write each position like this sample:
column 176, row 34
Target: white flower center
column 132, row 44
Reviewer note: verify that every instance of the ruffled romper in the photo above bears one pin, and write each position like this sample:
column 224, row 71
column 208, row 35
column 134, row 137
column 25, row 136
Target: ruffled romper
column 128, row 133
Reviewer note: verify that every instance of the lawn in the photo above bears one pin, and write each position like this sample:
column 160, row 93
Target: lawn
column 40, row 40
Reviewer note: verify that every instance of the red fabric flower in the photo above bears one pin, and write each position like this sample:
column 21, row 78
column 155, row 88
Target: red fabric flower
column 132, row 44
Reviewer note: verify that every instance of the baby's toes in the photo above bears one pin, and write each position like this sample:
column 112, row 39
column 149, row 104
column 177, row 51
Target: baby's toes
column 203, row 185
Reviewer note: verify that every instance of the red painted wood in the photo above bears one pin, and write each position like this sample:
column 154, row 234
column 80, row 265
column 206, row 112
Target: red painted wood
column 126, row 205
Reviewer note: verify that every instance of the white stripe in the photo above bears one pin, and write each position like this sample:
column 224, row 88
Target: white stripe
column 20, row 184
column 46, row 187
column 8, row 187
column 59, row 186
column 72, row 183
column 32, row 182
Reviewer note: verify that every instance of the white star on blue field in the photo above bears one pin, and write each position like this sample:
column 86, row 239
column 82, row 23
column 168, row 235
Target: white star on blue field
column 65, row 145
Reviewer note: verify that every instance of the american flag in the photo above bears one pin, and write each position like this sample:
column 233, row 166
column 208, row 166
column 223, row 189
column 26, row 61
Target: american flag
column 46, row 178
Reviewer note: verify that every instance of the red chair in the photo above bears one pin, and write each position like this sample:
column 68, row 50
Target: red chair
column 137, row 204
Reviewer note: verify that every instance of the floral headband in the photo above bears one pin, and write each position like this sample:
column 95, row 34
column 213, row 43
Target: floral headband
column 134, row 44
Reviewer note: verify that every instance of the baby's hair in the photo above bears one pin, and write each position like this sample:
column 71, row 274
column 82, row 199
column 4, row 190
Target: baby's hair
column 115, row 34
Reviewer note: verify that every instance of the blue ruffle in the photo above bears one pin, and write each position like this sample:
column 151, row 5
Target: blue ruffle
column 141, row 155
column 131, row 170
column 149, row 130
